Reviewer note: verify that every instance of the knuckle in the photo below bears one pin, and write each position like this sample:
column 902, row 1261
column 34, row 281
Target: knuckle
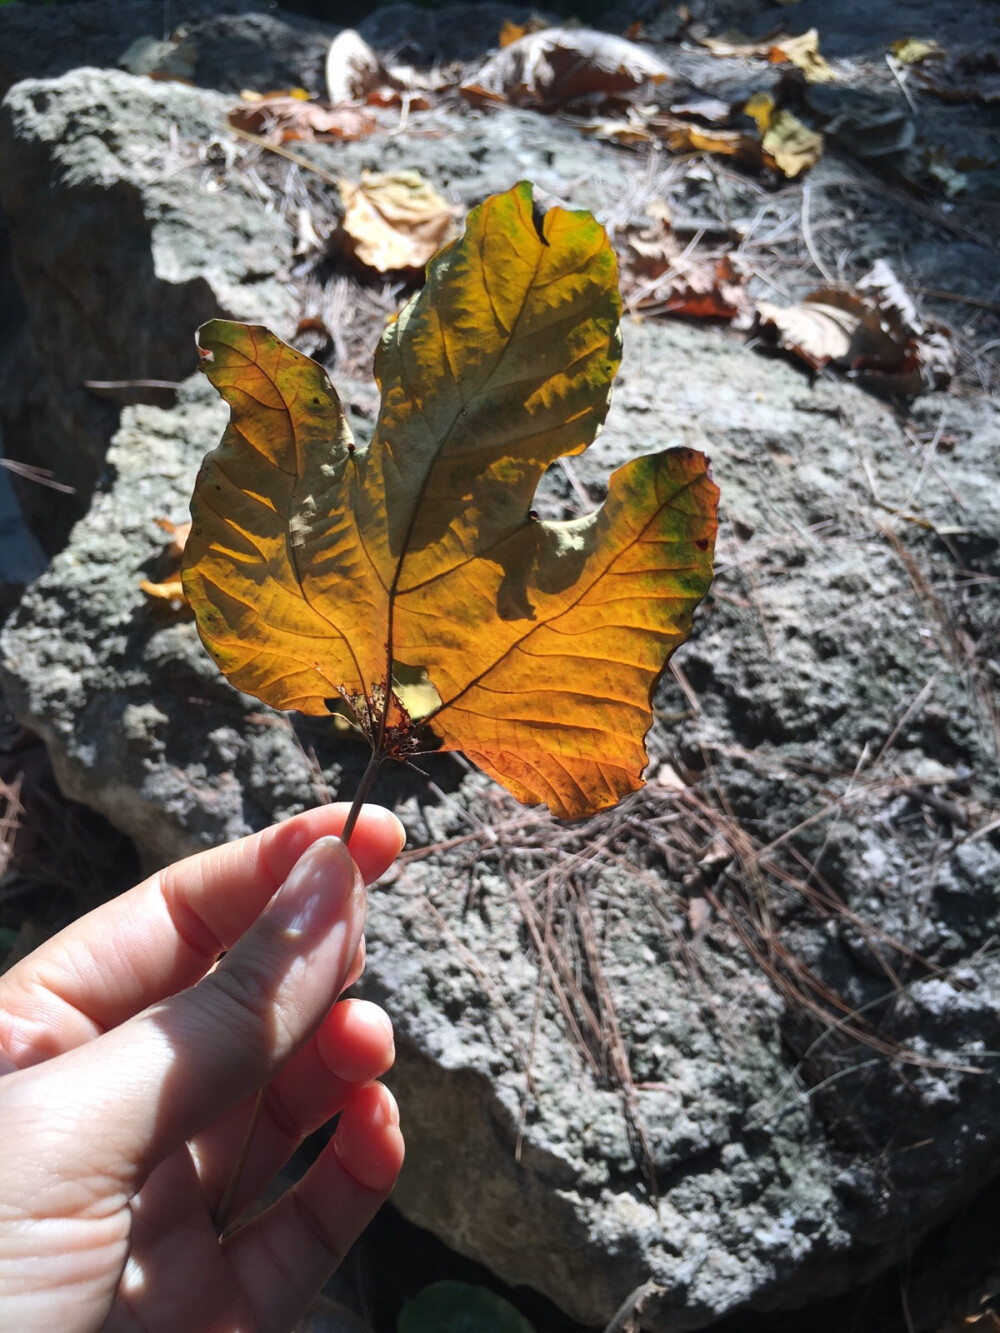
column 243, row 995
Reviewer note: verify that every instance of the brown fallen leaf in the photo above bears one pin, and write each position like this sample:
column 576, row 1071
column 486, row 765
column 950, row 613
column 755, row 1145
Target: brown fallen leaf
column 875, row 333
column 819, row 330
column 632, row 131
column 661, row 276
column 803, row 53
column 684, row 136
column 556, row 67
column 280, row 119
column 353, row 70
column 394, row 221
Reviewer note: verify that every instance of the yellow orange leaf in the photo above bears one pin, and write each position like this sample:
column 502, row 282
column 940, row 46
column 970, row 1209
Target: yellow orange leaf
column 170, row 591
column 321, row 572
column 787, row 144
column 793, row 146
column 803, row 52
column 913, row 51
column 685, row 136
column 760, row 108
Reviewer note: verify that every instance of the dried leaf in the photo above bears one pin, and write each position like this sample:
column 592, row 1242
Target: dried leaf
column 408, row 79
column 172, row 590
column 803, row 53
column 557, row 67
column 668, row 778
column 683, row 136
column 395, row 220
column 353, row 70
column 316, row 568
column 875, row 333
column 736, row 44
column 793, row 146
column 251, row 95
column 280, row 119
column 179, row 533
column 789, row 145
column 630, row 132
column 699, row 915
column 661, row 276
column 169, row 589
column 760, row 108
column 513, row 32
column 817, row 331
column 914, row 51
column 711, row 109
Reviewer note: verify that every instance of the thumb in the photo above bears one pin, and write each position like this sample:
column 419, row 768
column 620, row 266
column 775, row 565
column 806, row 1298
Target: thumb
column 160, row 1078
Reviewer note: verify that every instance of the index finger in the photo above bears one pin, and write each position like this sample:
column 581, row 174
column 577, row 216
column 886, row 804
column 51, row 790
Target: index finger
column 166, row 933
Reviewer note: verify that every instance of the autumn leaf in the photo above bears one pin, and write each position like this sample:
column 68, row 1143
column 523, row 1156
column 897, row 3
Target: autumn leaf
column 736, row 44
column 874, row 332
column 511, row 32
column 803, row 52
column 352, row 69
column 914, row 51
column 662, row 276
column 279, row 119
column 168, row 588
column 395, row 220
column 319, row 571
column 555, row 67
column 787, row 144
column 684, row 136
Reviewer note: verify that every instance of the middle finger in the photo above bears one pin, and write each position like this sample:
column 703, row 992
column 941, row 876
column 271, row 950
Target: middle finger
column 353, row 1046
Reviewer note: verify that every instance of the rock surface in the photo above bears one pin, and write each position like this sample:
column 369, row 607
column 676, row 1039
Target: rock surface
column 794, row 928
column 123, row 240
column 814, row 646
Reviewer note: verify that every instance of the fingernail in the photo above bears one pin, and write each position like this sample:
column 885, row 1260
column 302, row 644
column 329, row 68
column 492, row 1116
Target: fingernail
column 317, row 891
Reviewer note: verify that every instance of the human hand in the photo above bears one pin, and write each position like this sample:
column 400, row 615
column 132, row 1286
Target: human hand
column 131, row 1064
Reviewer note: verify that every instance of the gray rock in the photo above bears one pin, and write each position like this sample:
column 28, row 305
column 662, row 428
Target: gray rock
column 239, row 45
column 791, row 1160
column 832, row 721
column 123, row 239
column 414, row 33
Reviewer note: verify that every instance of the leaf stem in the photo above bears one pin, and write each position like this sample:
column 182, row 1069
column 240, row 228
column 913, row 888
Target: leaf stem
column 224, row 1211
column 361, row 795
